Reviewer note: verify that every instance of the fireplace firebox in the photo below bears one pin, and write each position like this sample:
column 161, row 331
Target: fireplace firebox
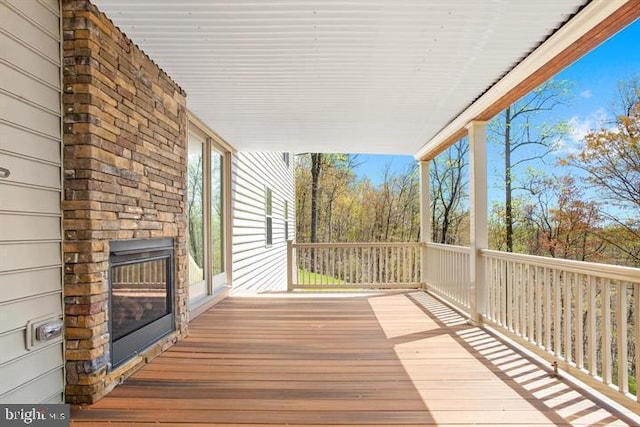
column 140, row 295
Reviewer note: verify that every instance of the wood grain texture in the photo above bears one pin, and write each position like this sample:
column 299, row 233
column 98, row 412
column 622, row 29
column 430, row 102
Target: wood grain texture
column 396, row 359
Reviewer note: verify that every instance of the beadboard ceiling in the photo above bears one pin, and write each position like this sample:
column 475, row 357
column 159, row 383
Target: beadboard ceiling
column 359, row 76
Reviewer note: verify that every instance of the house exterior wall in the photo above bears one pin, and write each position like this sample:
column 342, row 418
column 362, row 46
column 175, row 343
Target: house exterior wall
column 30, row 230
column 121, row 174
column 256, row 265
column 125, row 139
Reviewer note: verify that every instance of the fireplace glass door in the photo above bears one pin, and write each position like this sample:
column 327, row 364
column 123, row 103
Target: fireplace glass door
column 140, row 295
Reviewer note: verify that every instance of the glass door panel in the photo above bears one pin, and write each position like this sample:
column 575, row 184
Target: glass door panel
column 195, row 211
column 217, row 218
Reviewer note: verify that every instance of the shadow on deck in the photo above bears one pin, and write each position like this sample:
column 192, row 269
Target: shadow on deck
column 398, row 359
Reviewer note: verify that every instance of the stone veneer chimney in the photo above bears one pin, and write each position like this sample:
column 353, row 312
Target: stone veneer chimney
column 125, row 124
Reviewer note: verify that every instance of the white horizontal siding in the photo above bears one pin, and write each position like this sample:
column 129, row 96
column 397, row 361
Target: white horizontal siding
column 257, row 267
column 30, row 211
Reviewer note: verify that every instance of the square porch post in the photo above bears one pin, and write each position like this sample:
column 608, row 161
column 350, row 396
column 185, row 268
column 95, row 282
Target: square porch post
column 477, row 131
column 425, row 219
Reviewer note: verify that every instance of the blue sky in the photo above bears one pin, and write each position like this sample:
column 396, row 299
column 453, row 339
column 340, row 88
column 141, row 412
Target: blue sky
column 373, row 166
column 595, row 78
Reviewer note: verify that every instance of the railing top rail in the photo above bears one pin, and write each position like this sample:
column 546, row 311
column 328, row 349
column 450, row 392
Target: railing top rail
column 452, row 248
column 358, row 245
column 627, row 274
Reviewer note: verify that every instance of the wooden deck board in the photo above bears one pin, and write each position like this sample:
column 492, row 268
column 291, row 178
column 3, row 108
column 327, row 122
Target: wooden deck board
column 392, row 360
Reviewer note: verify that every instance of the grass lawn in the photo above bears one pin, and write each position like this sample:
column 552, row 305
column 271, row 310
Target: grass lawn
column 306, row 277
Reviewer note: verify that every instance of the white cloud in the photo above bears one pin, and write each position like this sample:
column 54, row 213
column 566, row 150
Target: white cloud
column 578, row 128
column 586, row 94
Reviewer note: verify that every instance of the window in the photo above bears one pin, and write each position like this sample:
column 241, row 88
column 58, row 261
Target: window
column 286, row 220
column 285, row 158
column 268, row 208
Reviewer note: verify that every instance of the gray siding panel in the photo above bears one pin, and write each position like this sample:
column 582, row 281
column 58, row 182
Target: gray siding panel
column 44, row 388
column 21, row 198
column 256, row 266
column 17, row 227
column 23, row 284
column 29, row 143
column 16, row 314
column 30, row 211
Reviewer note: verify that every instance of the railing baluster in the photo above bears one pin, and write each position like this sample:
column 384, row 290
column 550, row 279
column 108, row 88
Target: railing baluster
column 557, row 314
column 309, row 255
column 530, row 303
column 360, row 264
column 507, row 272
column 503, row 294
column 326, row 268
column 460, row 279
column 392, row 259
column 395, row 256
column 568, row 329
column 621, row 327
column 330, row 267
column 547, row 310
column 408, row 254
column 579, row 335
column 369, row 264
column 516, row 298
column 388, row 266
column 355, row 260
column 522, row 296
column 538, row 285
column 605, row 328
column 494, row 290
column 591, row 334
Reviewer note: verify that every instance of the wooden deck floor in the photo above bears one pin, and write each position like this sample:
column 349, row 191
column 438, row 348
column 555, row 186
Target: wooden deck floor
column 396, row 360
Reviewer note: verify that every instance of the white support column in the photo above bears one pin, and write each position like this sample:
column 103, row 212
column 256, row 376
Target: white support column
column 425, row 218
column 477, row 131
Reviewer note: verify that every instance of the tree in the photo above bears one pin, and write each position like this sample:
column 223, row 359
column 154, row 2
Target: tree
column 351, row 208
column 525, row 135
column 317, row 163
column 562, row 223
column 449, row 193
column 321, row 178
column 611, row 159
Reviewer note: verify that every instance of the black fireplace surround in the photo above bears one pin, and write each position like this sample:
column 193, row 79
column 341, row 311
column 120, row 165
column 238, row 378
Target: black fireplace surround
column 140, row 295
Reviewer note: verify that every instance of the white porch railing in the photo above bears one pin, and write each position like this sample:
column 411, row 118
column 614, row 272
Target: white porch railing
column 447, row 273
column 585, row 316
column 341, row 266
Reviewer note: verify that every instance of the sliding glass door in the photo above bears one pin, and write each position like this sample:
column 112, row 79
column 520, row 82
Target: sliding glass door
column 206, row 214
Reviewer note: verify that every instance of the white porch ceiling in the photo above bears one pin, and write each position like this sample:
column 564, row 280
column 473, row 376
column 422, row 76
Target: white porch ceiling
column 358, row 76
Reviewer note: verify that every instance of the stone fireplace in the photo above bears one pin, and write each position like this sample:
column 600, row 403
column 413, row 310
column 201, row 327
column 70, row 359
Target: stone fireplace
column 125, row 180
